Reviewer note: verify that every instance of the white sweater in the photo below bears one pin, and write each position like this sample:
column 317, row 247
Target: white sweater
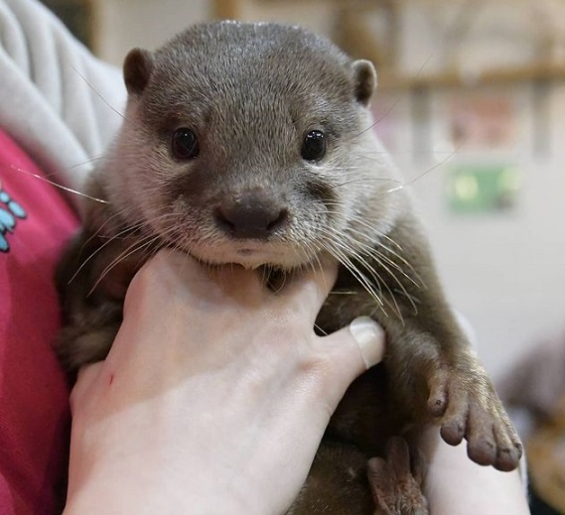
column 59, row 103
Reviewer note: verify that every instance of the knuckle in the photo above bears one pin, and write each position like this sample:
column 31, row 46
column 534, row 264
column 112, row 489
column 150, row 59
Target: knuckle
column 317, row 370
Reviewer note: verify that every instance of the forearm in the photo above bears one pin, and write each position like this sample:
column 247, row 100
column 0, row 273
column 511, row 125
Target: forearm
column 141, row 482
column 457, row 486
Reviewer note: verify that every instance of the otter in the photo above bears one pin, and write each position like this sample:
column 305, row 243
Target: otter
column 253, row 144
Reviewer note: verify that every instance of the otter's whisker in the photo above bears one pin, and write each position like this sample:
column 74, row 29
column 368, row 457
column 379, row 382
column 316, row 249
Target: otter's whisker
column 348, row 264
column 97, row 93
column 135, row 247
column 380, row 256
column 60, row 186
column 376, row 278
column 109, row 240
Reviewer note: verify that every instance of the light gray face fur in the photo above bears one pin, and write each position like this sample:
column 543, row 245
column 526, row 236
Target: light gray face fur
column 251, row 93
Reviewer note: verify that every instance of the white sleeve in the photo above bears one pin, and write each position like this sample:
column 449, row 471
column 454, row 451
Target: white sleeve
column 60, row 103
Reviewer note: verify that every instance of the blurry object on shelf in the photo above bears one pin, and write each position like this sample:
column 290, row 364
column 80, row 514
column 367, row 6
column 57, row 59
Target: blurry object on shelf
column 370, row 30
column 534, row 390
column 226, row 9
column 478, row 188
column 471, row 43
column 482, row 122
column 490, row 35
column 316, row 15
column 546, row 457
column 77, row 15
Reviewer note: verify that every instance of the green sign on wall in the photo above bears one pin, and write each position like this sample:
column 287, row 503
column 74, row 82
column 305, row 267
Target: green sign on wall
column 482, row 188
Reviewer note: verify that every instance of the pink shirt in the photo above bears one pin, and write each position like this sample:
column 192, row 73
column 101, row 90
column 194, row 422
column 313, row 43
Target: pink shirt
column 35, row 223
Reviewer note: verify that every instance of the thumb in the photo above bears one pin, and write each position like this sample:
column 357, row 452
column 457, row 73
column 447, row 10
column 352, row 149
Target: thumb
column 353, row 349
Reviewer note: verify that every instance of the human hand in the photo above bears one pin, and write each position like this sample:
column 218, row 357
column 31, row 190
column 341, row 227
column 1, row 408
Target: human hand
column 215, row 394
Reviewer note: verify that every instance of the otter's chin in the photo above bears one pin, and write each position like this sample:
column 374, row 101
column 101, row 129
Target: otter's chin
column 251, row 257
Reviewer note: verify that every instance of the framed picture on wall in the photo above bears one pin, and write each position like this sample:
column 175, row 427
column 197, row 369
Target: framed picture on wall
column 483, row 122
column 475, row 188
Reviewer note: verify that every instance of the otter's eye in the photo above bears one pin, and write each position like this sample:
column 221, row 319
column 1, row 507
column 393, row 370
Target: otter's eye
column 185, row 144
column 314, row 146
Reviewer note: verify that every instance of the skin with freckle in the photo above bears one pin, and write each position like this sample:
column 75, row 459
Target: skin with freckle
column 252, row 144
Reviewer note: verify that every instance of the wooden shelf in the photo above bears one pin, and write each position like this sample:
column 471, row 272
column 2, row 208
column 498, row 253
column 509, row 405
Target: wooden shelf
column 454, row 79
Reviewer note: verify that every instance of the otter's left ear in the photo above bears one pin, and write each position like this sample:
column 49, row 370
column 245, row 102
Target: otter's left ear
column 138, row 66
column 365, row 80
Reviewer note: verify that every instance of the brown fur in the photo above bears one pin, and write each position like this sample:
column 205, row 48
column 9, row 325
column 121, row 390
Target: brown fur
column 251, row 93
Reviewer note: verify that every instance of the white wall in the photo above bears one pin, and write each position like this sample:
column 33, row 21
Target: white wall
column 125, row 24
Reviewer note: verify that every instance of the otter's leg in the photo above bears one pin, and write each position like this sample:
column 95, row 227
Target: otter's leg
column 461, row 396
column 396, row 485
column 342, row 482
column 337, row 483
column 433, row 375
column 92, row 279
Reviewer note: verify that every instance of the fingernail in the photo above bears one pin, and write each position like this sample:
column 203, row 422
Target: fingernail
column 370, row 338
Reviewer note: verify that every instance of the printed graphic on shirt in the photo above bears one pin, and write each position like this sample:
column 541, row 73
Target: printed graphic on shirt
column 10, row 212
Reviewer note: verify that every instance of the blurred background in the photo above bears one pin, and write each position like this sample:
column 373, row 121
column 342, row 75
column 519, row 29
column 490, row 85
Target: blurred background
column 471, row 103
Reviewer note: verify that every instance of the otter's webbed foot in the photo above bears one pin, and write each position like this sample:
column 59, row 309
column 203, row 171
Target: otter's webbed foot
column 396, row 487
column 465, row 401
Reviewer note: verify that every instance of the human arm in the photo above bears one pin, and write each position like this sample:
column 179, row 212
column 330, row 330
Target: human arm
column 455, row 485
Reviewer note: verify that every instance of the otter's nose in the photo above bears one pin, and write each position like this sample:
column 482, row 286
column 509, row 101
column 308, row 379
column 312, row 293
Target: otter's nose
column 251, row 216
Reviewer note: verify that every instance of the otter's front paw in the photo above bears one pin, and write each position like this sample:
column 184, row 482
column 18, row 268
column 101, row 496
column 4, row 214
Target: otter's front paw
column 468, row 407
column 396, row 488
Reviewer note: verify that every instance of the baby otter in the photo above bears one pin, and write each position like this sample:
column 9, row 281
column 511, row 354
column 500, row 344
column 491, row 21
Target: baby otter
column 253, row 144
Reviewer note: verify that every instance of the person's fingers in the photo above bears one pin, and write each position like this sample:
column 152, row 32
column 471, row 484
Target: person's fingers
column 370, row 339
column 172, row 275
column 310, row 287
column 351, row 351
column 158, row 278
column 231, row 278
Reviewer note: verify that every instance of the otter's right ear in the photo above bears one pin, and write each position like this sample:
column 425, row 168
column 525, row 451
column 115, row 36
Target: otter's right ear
column 365, row 80
column 137, row 70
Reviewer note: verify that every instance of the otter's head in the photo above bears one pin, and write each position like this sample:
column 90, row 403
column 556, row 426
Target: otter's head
column 250, row 144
